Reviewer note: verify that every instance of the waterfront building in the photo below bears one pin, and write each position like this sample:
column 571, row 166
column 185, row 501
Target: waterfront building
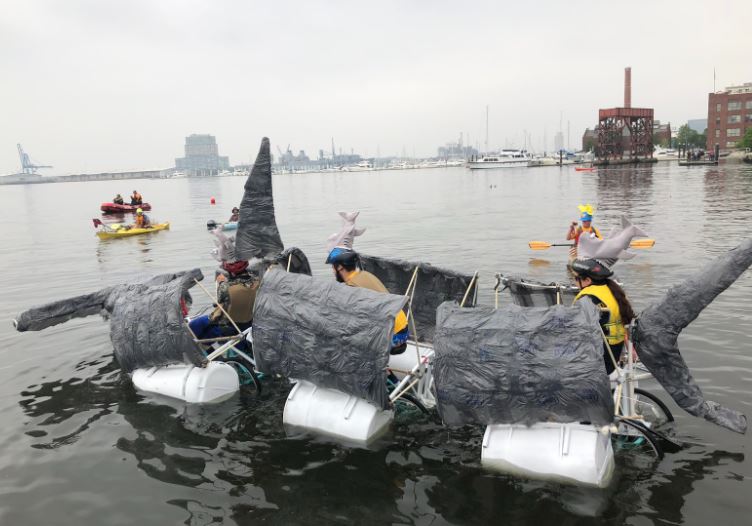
column 729, row 116
column 202, row 156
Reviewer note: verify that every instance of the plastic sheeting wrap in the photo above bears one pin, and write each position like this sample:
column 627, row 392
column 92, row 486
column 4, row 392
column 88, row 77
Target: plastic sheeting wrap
column 146, row 322
column 434, row 286
column 257, row 234
column 659, row 325
column 295, row 260
column 325, row 332
column 520, row 365
column 529, row 293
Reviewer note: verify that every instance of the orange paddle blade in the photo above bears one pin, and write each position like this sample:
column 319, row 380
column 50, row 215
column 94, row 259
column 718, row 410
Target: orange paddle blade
column 642, row 243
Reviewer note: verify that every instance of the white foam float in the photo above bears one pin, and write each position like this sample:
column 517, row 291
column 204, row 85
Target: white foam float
column 572, row 452
column 335, row 414
column 196, row 385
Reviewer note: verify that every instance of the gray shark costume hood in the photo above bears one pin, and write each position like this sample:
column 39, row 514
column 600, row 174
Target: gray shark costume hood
column 347, row 234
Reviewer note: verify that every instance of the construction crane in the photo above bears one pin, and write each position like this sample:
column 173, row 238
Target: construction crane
column 27, row 166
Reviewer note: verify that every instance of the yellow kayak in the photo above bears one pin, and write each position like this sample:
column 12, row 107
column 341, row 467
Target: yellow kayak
column 116, row 231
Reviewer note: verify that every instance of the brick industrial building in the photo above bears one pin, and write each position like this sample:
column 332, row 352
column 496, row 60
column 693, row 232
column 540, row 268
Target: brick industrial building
column 729, row 116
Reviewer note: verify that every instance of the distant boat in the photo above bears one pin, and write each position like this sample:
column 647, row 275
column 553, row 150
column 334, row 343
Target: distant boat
column 504, row 159
column 362, row 166
column 665, row 154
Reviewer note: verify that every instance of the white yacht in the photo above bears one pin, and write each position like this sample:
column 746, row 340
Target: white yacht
column 503, row 159
column 362, row 166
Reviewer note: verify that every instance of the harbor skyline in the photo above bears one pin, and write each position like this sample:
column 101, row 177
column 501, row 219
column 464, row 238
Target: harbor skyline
column 118, row 86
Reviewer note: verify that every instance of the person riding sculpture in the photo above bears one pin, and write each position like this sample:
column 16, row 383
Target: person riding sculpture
column 593, row 273
column 346, row 266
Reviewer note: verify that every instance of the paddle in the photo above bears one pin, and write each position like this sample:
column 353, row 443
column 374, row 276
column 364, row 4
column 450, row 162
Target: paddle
column 542, row 245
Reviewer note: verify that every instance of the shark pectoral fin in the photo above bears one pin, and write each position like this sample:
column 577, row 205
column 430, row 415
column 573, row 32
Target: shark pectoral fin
column 725, row 417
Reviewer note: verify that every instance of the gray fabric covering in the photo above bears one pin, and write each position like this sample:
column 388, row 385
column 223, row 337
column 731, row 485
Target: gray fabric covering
column 530, row 293
column 146, row 323
column 659, row 325
column 257, row 234
column 434, row 286
column 297, row 260
column 520, row 365
column 323, row 331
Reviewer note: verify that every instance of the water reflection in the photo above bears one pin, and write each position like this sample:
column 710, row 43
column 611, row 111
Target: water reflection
column 626, row 190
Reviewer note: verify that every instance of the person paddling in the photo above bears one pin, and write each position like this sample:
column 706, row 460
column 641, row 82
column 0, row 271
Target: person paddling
column 142, row 220
column 235, row 217
column 587, row 228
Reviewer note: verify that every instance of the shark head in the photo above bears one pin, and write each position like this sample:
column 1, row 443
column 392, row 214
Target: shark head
column 345, row 237
column 612, row 248
column 224, row 247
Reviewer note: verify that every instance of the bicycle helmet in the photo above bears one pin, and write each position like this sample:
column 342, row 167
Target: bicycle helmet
column 342, row 256
column 591, row 268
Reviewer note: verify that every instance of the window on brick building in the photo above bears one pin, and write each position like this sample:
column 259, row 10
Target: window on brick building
column 748, row 117
column 718, row 133
column 734, row 105
column 748, row 104
column 731, row 144
column 717, row 121
column 718, row 107
column 733, row 119
column 733, row 132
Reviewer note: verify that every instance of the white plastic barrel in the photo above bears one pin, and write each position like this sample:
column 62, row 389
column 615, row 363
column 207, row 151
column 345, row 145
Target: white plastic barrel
column 333, row 413
column 197, row 385
column 568, row 452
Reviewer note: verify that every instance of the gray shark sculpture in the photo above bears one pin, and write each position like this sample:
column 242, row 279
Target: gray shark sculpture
column 611, row 248
column 659, row 325
column 146, row 319
column 347, row 234
column 258, row 236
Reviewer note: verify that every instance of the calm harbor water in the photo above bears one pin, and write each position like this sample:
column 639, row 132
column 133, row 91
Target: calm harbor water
column 79, row 445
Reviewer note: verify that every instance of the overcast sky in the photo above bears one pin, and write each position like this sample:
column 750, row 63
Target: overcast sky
column 98, row 85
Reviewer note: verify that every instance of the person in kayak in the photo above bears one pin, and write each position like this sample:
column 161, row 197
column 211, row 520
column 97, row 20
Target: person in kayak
column 236, row 292
column 136, row 198
column 345, row 263
column 593, row 279
column 235, row 217
column 142, row 220
column 118, row 200
column 587, row 228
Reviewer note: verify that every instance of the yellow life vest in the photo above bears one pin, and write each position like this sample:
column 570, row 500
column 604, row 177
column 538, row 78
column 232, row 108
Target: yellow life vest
column 366, row 280
column 614, row 329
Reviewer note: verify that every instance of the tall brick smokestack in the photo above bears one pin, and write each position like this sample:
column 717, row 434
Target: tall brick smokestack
column 627, row 87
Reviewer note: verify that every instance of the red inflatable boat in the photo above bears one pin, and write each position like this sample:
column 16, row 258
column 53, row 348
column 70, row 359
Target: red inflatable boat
column 113, row 208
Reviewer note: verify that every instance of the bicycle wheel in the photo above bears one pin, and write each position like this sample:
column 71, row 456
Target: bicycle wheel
column 246, row 374
column 651, row 409
column 634, row 437
column 408, row 402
